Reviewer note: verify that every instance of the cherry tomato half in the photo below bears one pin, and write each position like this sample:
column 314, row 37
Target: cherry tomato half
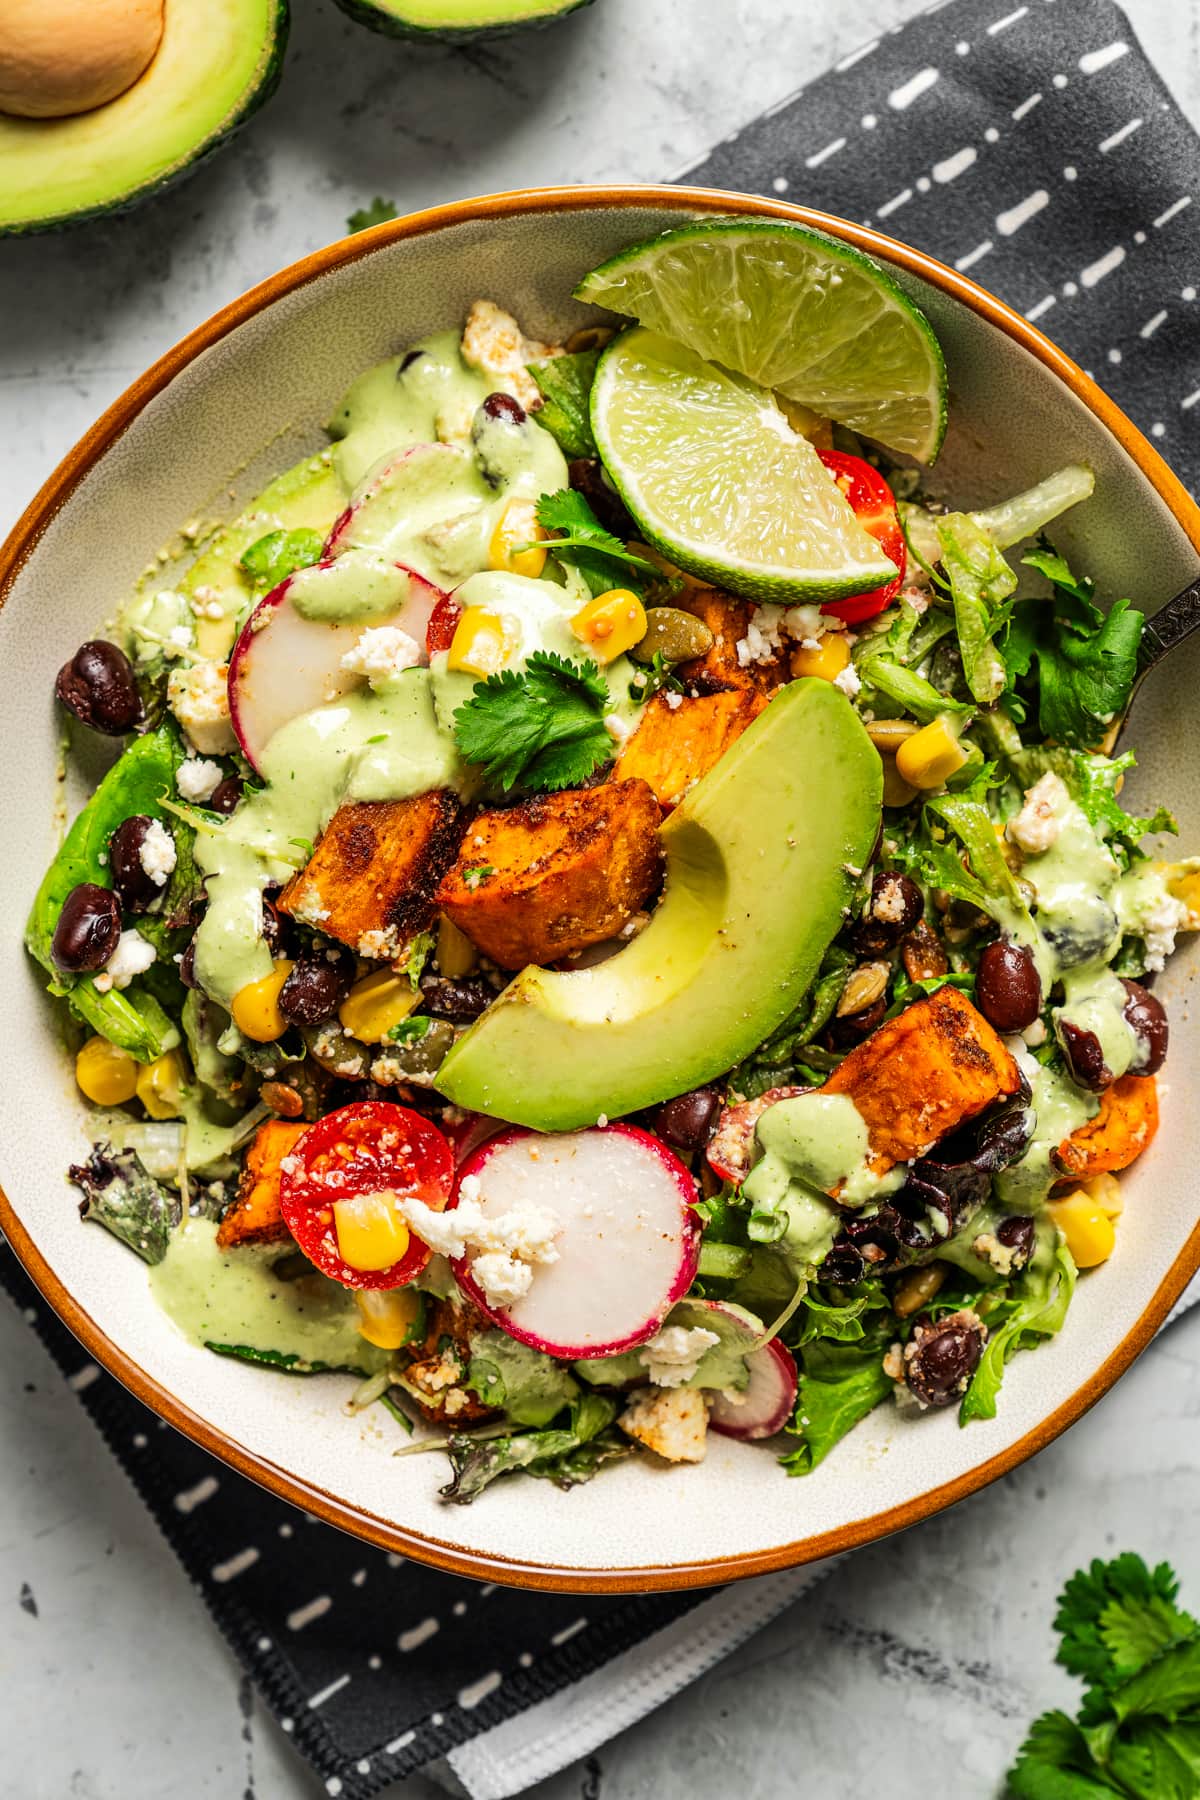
column 443, row 623
column 874, row 507
column 371, row 1147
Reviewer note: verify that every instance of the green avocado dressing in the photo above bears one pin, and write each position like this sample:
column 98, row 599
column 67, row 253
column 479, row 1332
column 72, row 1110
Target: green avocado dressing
column 425, row 395
column 234, row 1298
column 1059, row 1108
column 383, row 746
column 812, row 1144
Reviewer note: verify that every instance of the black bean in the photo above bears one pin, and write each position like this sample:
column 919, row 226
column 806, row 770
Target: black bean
column 98, row 686
column 843, row 1263
column 1146, row 1017
column 135, row 888
column 1008, row 989
column 226, row 795
column 946, row 1356
column 895, row 906
column 842, row 1034
column 316, row 987
column 1085, row 1056
column 1017, row 1235
column 459, row 1001
column 409, row 358
column 504, row 407
column 276, row 927
column 1090, row 935
column 87, row 930
column 687, row 1122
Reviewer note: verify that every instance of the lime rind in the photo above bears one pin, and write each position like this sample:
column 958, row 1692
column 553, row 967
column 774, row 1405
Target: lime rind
column 719, row 482
column 796, row 311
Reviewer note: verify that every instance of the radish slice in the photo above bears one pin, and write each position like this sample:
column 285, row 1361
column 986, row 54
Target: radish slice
column 627, row 1243
column 731, row 1150
column 763, row 1408
column 288, row 657
column 470, row 1132
column 421, row 488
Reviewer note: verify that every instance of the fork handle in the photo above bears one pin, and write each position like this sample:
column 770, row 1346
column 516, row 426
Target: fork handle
column 1169, row 626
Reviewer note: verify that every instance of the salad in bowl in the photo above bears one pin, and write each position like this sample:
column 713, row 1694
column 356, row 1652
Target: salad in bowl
column 612, row 916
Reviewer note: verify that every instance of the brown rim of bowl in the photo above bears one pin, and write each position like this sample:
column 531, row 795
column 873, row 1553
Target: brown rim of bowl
column 20, row 544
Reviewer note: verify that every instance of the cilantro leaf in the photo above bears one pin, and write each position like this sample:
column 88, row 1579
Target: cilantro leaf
column 601, row 558
column 271, row 559
column 566, row 385
column 1086, row 660
column 541, row 727
column 377, row 213
column 1054, row 1763
column 1124, row 1582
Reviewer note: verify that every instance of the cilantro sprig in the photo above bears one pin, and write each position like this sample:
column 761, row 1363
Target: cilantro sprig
column 1086, row 659
column 1138, row 1729
column 579, row 537
column 540, row 728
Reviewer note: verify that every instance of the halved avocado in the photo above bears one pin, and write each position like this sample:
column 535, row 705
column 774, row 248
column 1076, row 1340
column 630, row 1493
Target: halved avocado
column 761, row 859
column 455, row 19
column 217, row 62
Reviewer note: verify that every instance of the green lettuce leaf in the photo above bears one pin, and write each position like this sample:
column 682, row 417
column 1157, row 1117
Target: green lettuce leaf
column 980, row 584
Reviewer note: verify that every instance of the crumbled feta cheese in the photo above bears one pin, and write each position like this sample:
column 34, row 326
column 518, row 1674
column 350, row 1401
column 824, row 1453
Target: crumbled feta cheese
column 673, row 699
column 509, row 1244
column 889, row 904
column 382, row 654
column 617, row 728
column 1036, row 827
column 1158, row 927
column 199, row 698
column 157, row 853
column 131, row 956
column 494, row 342
column 673, row 1355
column 198, row 779
column 763, row 636
column 1035, row 1034
column 808, row 623
column 673, row 1422
column 177, row 640
column 989, row 1249
column 849, row 681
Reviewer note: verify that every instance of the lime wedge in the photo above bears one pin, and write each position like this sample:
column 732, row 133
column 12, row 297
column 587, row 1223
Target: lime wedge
column 795, row 311
column 718, row 480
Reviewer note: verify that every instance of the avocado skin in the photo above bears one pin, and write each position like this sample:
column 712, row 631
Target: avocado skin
column 376, row 18
column 762, row 856
column 269, row 72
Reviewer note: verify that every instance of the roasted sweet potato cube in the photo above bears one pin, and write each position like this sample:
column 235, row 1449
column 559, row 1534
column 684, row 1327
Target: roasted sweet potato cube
column 371, row 880
column 674, row 746
column 923, row 1074
column 254, row 1217
column 542, row 880
column 721, row 668
column 1120, row 1131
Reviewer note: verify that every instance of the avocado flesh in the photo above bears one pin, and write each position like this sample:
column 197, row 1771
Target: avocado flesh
column 455, row 18
column 308, row 496
column 217, row 61
column 759, row 861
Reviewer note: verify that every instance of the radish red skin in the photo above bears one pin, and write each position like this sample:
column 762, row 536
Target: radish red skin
column 241, row 660
column 731, row 1148
column 765, row 1413
column 689, row 1246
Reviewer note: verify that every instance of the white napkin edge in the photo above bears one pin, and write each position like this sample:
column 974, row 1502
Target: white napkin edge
column 545, row 1738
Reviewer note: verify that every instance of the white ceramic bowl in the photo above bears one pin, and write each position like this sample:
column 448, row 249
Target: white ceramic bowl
column 240, row 399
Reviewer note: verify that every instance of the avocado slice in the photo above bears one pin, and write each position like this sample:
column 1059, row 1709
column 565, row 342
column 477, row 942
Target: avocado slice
column 217, row 62
column 761, row 858
column 309, row 496
column 455, row 19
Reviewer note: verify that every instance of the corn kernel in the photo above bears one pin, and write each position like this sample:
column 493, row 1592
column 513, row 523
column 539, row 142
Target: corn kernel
column 826, row 661
column 387, row 1316
column 1186, row 887
column 160, row 1085
column 1108, row 1194
column 516, row 542
column 610, row 624
column 456, row 955
column 930, row 756
column 255, row 1007
column 1089, row 1233
column 106, row 1074
column 371, row 1235
column 483, row 641
column 376, row 1004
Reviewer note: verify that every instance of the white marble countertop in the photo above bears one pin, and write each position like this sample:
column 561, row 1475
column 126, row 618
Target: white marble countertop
column 931, row 1651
